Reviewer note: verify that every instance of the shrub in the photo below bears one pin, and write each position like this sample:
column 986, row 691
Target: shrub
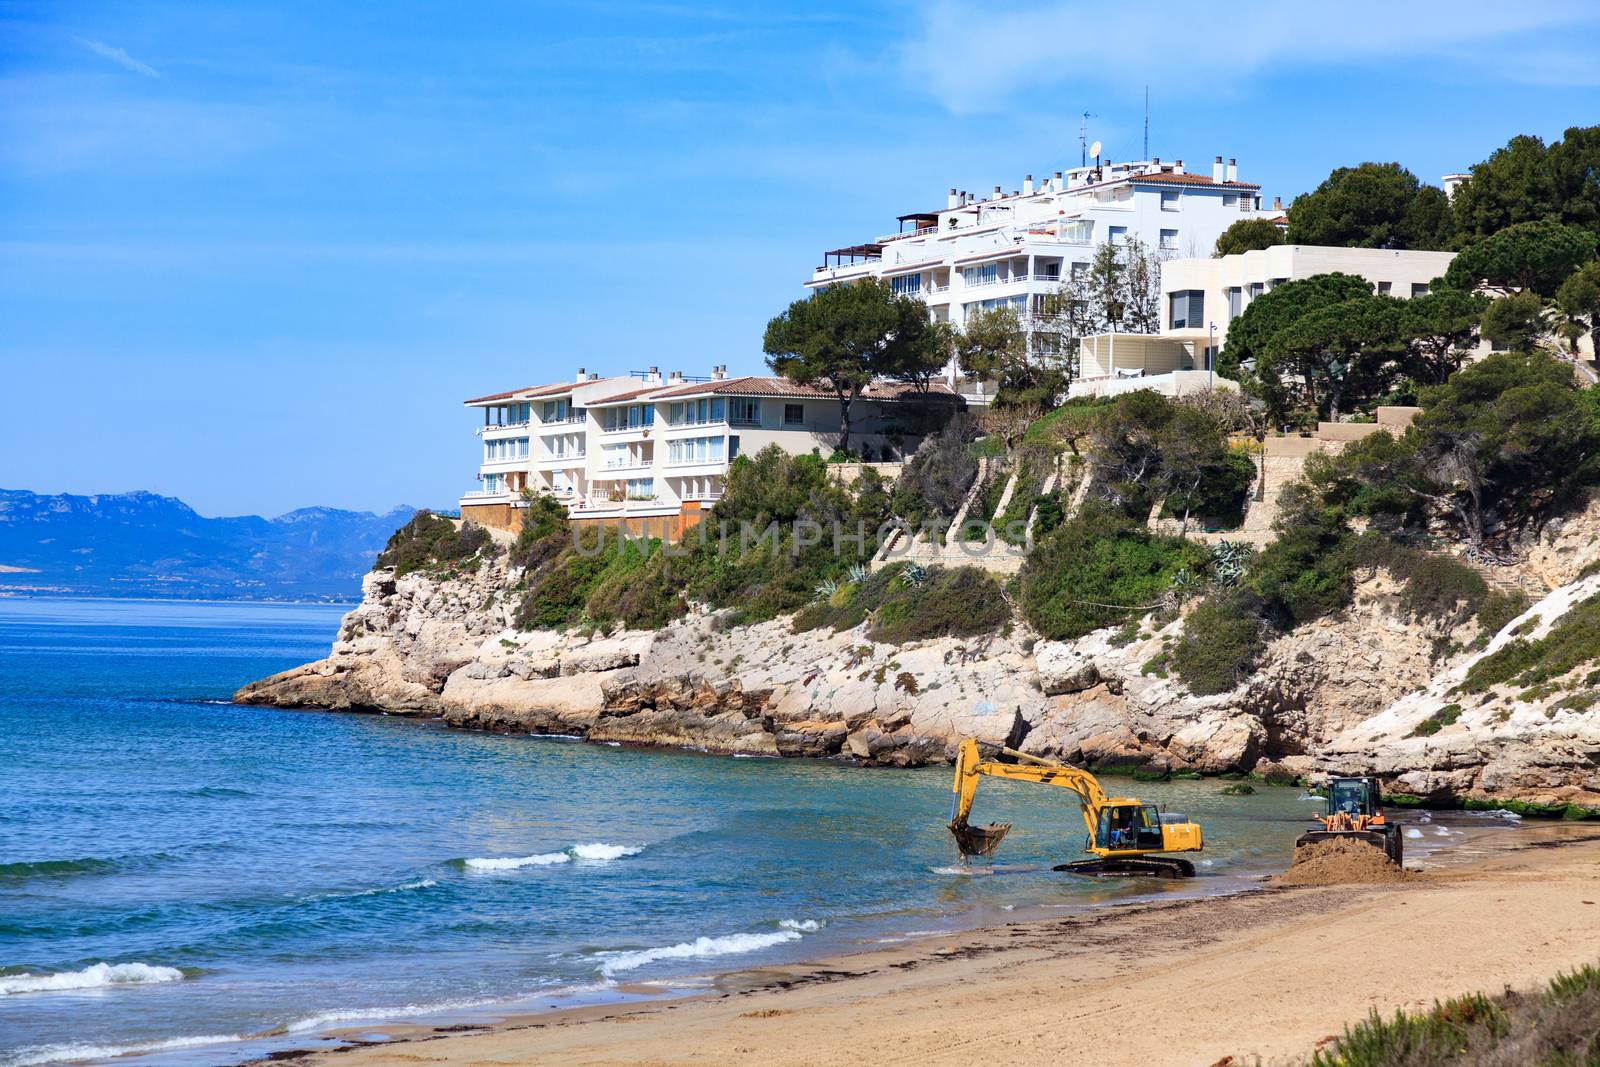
column 641, row 595
column 1222, row 639
column 432, row 539
column 948, row 602
column 1573, row 641
column 1098, row 570
column 935, row 480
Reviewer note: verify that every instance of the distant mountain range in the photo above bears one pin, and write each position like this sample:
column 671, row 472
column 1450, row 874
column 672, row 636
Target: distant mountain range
column 143, row 545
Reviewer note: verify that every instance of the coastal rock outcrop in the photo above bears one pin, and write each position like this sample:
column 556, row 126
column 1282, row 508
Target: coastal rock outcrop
column 1343, row 694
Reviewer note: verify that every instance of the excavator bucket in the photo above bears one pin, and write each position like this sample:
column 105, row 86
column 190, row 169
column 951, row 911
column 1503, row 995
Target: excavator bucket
column 979, row 840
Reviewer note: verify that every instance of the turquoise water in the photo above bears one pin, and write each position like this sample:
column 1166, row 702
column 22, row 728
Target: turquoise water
column 178, row 874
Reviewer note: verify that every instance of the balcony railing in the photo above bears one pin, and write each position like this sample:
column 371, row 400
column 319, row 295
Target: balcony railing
column 502, row 426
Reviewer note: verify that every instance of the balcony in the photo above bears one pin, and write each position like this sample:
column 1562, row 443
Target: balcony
column 569, row 459
column 494, row 426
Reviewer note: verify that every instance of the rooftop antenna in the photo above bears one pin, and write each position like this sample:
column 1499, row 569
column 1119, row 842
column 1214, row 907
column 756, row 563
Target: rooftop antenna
column 1083, row 139
column 1146, row 123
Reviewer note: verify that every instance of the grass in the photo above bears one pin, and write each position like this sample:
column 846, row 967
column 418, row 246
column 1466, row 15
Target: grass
column 1572, row 642
column 1557, row 1026
column 1445, row 716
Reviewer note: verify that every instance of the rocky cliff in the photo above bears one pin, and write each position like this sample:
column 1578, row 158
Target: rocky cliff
column 1354, row 692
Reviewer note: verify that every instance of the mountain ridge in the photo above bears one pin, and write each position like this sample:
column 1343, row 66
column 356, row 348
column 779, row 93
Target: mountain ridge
column 145, row 544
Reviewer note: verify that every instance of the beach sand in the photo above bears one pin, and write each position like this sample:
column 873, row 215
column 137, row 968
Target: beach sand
column 1265, row 974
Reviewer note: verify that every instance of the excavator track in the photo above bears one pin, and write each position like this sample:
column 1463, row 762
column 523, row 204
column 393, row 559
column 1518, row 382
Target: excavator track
column 1134, row 866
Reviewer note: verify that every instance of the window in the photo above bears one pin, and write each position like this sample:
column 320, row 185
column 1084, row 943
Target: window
column 641, row 488
column 1419, row 289
column 1169, row 201
column 746, row 409
column 906, row 284
column 696, row 412
column 1079, row 269
column 1256, row 289
column 1187, row 309
column 696, row 450
column 983, row 274
column 1169, row 239
column 1273, row 283
column 504, row 449
column 1117, row 235
column 1235, row 303
column 1080, row 231
column 493, row 483
column 794, row 414
column 1229, row 200
column 554, row 411
column 1384, row 288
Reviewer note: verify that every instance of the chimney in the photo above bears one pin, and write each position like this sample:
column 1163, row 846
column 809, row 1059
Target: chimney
column 674, row 377
column 581, row 378
column 1216, row 171
column 1027, row 185
column 952, row 200
column 1059, row 183
column 594, row 376
column 1177, row 166
column 719, row 372
column 1233, row 169
column 1277, row 203
column 996, row 193
column 653, row 375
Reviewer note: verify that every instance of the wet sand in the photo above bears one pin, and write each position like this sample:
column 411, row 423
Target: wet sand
column 1268, row 973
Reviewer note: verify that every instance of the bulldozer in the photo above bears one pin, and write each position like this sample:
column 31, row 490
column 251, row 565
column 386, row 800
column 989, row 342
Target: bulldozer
column 1126, row 835
column 1355, row 812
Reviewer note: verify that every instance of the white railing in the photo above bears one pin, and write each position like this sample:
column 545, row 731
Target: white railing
column 502, row 426
column 477, row 494
column 570, row 457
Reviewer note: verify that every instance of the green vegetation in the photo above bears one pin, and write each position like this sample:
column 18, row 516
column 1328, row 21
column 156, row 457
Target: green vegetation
column 1247, row 235
column 1222, row 638
column 912, row 605
column 1099, row 569
column 1239, row 789
column 936, row 478
column 993, row 347
column 842, row 337
column 1571, row 643
column 432, row 541
column 1374, row 205
column 1445, row 716
column 1558, row 1026
column 1532, row 256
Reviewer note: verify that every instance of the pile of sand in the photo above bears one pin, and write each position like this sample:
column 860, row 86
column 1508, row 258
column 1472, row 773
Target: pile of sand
column 1340, row 862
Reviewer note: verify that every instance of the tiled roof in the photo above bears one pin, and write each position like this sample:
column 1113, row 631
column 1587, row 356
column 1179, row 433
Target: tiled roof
column 529, row 391
column 754, row 385
column 1187, row 179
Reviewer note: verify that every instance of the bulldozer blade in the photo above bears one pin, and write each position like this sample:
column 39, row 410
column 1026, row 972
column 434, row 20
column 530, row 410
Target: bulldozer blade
column 979, row 840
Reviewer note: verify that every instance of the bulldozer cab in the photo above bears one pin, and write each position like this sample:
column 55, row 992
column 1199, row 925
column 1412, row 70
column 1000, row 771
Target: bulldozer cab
column 1128, row 826
column 1353, row 797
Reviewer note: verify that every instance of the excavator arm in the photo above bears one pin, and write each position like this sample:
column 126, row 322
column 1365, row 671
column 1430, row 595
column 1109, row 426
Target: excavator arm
column 971, row 766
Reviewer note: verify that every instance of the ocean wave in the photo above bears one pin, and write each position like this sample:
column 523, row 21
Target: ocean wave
column 353, row 1015
column 707, row 947
column 597, row 852
column 95, row 976
column 424, row 883
column 56, row 868
column 39, row 1054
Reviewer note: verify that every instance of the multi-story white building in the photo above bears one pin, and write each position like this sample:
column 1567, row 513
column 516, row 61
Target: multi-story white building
column 1015, row 249
column 1201, row 296
column 640, row 446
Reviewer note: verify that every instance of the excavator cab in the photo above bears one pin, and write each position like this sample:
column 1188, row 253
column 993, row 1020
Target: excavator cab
column 1123, row 827
column 1354, row 797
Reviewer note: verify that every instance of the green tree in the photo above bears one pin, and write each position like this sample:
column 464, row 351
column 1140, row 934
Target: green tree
column 1579, row 300
column 1575, row 174
column 1334, row 358
column 1373, row 205
column 1439, row 330
column 1536, row 256
column 1514, row 321
column 844, row 336
column 1249, row 334
column 1248, row 235
column 993, row 346
column 1120, row 292
column 1504, row 438
column 1513, row 185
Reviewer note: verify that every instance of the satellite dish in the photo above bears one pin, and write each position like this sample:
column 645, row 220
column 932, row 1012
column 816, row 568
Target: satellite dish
column 1094, row 150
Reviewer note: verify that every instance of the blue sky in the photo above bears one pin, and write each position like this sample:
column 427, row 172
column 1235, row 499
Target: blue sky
column 255, row 254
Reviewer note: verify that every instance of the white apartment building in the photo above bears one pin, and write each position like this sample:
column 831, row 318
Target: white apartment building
column 1201, row 296
column 640, row 446
column 1014, row 249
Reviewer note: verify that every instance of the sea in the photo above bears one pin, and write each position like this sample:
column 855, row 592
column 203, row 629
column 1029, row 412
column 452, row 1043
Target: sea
column 188, row 881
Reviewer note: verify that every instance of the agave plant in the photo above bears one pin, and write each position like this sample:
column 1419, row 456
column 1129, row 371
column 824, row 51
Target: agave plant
column 857, row 573
column 825, row 589
column 914, row 574
column 1185, row 584
column 1228, row 559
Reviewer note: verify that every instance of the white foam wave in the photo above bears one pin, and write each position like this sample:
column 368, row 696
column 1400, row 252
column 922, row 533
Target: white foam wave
column 1412, row 831
column 1441, row 831
column 38, row 1054
column 595, row 852
column 355, row 1015
column 962, row 870
column 511, row 863
column 707, row 947
column 599, row 850
column 425, row 883
column 95, row 976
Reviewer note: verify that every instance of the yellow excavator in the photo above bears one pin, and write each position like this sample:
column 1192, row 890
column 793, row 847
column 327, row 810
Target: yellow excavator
column 1126, row 835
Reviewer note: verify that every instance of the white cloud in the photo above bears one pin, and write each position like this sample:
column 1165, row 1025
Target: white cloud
column 971, row 60
column 118, row 56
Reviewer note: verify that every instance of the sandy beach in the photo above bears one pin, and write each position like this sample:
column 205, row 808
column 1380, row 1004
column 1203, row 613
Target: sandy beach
column 1266, row 974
